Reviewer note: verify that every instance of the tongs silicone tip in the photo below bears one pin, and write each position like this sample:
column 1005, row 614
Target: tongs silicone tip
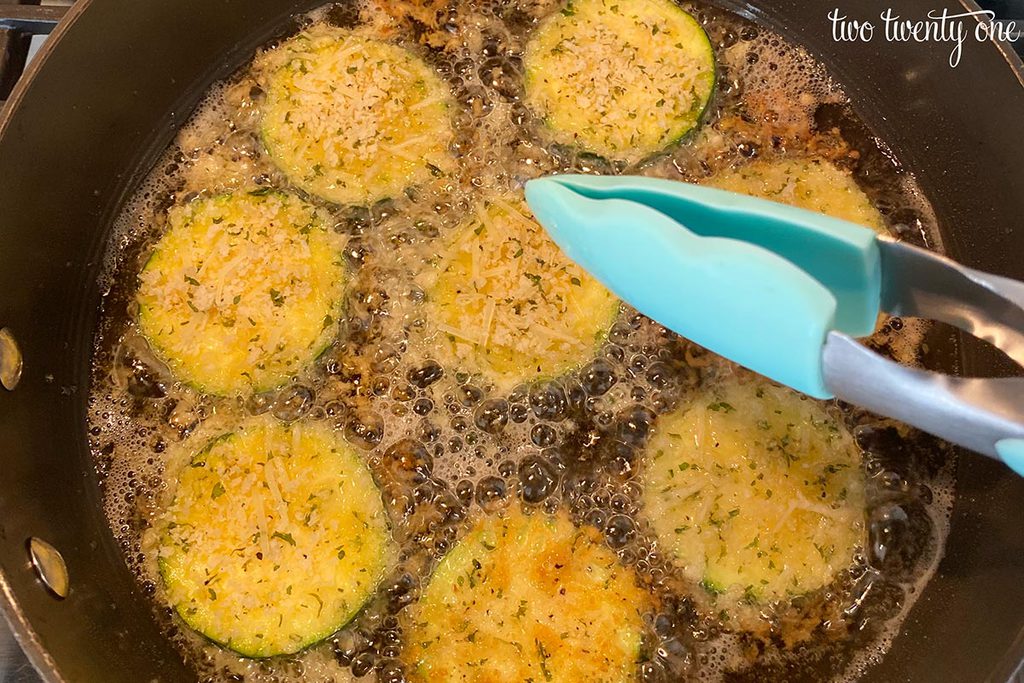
column 717, row 268
column 785, row 291
column 1012, row 453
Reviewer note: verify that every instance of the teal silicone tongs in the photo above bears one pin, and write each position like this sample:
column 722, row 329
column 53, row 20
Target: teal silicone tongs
column 785, row 292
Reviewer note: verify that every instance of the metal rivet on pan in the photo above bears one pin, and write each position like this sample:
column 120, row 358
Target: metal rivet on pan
column 49, row 565
column 10, row 360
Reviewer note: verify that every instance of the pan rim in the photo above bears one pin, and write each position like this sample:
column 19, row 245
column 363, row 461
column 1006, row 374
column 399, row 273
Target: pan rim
column 24, row 634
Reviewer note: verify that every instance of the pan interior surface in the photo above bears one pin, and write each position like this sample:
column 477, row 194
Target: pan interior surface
column 52, row 489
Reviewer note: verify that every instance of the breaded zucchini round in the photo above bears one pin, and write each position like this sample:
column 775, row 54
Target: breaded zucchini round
column 526, row 598
column 506, row 302
column 755, row 491
column 242, row 291
column 275, row 538
column 620, row 78
column 352, row 119
column 812, row 184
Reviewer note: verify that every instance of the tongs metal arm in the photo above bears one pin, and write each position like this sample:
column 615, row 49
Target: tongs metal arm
column 922, row 284
column 973, row 412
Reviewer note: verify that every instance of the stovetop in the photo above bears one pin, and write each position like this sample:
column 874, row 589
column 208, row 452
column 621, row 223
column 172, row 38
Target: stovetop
column 23, row 28
column 14, row 667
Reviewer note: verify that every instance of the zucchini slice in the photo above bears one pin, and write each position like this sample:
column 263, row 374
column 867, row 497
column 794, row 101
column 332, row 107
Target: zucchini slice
column 242, row 291
column 812, row 184
column 275, row 538
column 506, row 302
column 352, row 119
column 526, row 598
column 756, row 492
column 620, row 78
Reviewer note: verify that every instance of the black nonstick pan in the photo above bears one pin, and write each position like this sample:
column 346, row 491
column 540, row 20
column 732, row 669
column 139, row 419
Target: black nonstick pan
column 91, row 116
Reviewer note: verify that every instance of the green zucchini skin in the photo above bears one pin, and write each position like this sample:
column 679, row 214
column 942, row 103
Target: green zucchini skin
column 622, row 80
column 226, row 334
column 755, row 492
column 354, row 119
column 527, row 597
column 275, row 538
column 507, row 304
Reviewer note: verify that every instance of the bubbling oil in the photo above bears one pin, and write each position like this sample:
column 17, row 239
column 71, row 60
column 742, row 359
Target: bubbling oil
column 446, row 447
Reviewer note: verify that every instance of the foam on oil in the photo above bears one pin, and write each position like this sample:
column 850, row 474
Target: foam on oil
column 445, row 449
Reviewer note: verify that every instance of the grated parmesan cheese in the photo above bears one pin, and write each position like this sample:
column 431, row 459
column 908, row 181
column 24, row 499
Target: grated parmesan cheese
column 353, row 119
column 275, row 538
column 508, row 303
column 620, row 78
column 242, row 292
column 526, row 598
column 755, row 492
column 812, row 184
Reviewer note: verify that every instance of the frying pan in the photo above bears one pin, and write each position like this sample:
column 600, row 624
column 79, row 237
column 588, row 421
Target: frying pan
column 104, row 99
